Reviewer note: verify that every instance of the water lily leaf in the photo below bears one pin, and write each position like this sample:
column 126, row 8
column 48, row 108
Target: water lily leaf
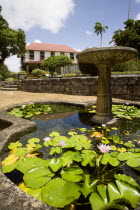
column 14, row 145
column 113, row 192
column 125, row 156
column 99, row 204
column 72, row 133
column 129, row 193
column 102, row 189
column 64, row 193
column 113, row 154
column 37, row 177
column 35, row 193
column 83, row 129
column 9, row 168
column 27, row 164
column 80, row 141
column 133, row 162
column 33, row 140
column 127, row 179
column 88, row 157
column 88, row 187
column 114, row 161
column 115, row 139
column 21, row 151
column 56, row 164
column 105, row 159
column 54, row 134
column 54, row 150
column 69, row 156
column 55, row 141
column 72, row 174
column 10, row 160
column 129, row 145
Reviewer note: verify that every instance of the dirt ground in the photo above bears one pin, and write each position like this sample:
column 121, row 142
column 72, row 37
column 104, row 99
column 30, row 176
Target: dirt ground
column 9, row 98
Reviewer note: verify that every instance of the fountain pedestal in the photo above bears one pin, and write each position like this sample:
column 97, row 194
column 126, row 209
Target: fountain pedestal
column 105, row 58
column 104, row 96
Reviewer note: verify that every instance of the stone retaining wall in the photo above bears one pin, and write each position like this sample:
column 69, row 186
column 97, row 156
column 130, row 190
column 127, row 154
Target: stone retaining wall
column 123, row 87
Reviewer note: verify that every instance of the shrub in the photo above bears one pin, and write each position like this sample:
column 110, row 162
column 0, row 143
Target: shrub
column 4, row 72
column 22, row 72
column 37, row 72
column 132, row 65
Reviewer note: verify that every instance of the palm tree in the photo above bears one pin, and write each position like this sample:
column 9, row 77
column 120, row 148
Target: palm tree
column 129, row 8
column 99, row 29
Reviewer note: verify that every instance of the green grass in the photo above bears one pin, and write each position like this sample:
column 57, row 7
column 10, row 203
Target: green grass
column 127, row 72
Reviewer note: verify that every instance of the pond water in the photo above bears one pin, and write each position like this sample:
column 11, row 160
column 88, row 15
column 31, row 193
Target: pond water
column 71, row 118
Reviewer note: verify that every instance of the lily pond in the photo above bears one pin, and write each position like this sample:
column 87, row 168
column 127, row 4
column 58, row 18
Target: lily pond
column 70, row 163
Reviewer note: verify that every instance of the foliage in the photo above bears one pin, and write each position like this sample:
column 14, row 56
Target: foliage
column 122, row 111
column 99, row 29
column 4, row 72
column 12, row 42
column 132, row 65
column 77, row 174
column 22, row 72
column 30, row 110
column 37, row 72
column 129, row 36
column 56, row 61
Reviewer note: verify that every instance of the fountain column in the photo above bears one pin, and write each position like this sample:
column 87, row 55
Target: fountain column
column 104, row 96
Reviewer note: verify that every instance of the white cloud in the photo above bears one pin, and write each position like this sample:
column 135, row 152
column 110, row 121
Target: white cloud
column 137, row 1
column 138, row 16
column 37, row 41
column 13, row 63
column 88, row 32
column 46, row 14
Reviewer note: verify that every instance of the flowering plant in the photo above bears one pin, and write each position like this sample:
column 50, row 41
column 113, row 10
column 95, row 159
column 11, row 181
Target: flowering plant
column 76, row 173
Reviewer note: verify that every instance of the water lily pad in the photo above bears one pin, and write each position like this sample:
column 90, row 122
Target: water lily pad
column 55, row 164
column 14, row 145
column 88, row 186
column 64, row 193
column 37, row 177
column 72, row 174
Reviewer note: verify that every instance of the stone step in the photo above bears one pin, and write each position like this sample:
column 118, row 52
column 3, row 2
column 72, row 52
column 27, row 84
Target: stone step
column 8, row 89
column 10, row 86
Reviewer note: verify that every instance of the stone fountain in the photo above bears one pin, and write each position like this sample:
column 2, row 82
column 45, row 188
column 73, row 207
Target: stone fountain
column 104, row 59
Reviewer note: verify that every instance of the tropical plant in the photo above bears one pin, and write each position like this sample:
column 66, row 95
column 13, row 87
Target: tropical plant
column 56, row 61
column 77, row 174
column 99, row 29
column 30, row 110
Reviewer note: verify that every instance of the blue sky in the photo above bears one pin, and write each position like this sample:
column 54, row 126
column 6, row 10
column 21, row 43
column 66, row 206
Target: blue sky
column 68, row 22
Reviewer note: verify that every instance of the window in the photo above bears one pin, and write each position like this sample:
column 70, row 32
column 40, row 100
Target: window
column 62, row 53
column 52, row 54
column 31, row 55
column 42, row 55
column 72, row 56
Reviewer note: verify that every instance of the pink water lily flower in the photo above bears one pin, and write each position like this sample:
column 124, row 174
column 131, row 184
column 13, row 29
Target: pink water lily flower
column 104, row 148
column 61, row 143
column 47, row 139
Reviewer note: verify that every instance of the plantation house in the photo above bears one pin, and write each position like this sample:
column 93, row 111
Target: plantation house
column 37, row 52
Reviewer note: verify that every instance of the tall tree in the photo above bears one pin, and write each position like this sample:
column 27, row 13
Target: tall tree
column 129, row 36
column 11, row 42
column 129, row 8
column 99, row 29
column 56, row 61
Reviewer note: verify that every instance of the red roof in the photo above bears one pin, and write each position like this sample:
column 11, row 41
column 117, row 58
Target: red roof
column 50, row 47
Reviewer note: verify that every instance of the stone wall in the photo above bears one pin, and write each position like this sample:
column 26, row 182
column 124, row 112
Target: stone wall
column 124, row 86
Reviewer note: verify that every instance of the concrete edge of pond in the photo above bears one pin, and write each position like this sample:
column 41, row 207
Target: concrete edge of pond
column 11, row 197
